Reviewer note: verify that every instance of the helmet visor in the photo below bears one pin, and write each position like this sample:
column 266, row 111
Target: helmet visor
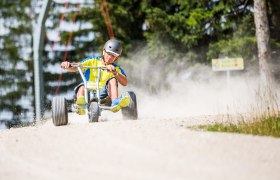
column 112, row 53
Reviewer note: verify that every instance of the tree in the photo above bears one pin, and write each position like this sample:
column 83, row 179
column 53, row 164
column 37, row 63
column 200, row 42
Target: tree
column 263, row 40
column 16, row 65
column 68, row 39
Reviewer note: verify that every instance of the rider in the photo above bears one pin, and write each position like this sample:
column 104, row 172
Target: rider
column 109, row 79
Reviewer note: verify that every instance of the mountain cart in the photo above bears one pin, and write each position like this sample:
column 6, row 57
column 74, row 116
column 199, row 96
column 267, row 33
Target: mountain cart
column 94, row 104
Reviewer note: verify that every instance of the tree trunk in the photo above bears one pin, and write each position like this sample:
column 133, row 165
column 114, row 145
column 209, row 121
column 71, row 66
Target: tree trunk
column 267, row 94
column 263, row 40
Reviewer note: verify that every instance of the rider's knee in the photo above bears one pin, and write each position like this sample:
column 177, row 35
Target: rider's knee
column 113, row 81
column 81, row 89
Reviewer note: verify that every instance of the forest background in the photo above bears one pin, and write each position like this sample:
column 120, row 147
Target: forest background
column 174, row 33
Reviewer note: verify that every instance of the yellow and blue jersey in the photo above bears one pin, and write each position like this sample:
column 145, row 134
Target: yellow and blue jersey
column 91, row 74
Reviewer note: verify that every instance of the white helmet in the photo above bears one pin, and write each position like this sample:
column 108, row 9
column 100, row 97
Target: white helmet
column 113, row 47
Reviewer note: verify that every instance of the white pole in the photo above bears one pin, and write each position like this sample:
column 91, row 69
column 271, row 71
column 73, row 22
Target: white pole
column 38, row 39
column 228, row 78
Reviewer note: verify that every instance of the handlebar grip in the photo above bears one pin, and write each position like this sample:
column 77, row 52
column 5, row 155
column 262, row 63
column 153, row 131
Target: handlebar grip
column 75, row 64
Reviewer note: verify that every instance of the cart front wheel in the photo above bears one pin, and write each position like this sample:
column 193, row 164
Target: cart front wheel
column 93, row 112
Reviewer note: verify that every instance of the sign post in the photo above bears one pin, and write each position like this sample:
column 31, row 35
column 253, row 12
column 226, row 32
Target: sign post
column 227, row 64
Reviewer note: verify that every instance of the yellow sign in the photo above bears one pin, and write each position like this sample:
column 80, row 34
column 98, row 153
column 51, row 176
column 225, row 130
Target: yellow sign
column 227, row 64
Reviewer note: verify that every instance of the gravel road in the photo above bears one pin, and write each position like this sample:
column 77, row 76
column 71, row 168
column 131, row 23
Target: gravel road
column 144, row 149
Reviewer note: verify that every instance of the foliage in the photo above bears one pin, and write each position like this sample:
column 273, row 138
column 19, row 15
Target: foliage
column 56, row 80
column 242, row 43
column 126, row 17
column 192, row 25
column 15, row 69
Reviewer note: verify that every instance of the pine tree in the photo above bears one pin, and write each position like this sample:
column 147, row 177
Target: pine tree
column 58, row 49
column 15, row 56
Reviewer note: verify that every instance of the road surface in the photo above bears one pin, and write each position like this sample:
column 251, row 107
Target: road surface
column 153, row 148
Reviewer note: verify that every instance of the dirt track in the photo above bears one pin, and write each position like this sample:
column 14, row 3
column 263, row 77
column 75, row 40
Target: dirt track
column 144, row 149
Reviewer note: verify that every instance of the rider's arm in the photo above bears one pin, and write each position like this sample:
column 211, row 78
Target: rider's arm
column 118, row 74
column 121, row 78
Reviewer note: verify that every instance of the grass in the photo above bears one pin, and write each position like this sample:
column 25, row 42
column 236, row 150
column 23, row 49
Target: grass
column 264, row 127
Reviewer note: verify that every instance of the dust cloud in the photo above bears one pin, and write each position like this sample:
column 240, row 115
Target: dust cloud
column 173, row 90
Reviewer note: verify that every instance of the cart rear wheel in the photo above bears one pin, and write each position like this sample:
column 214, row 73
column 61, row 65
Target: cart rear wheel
column 59, row 111
column 130, row 112
column 93, row 112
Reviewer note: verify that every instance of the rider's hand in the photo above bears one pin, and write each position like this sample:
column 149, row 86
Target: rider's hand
column 111, row 68
column 65, row 65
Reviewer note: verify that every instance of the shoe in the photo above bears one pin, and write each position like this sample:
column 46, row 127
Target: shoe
column 81, row 100
column 81, row 111
column 120, row 103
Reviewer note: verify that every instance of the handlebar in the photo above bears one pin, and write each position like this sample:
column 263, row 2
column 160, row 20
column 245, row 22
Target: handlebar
column 90, row 67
